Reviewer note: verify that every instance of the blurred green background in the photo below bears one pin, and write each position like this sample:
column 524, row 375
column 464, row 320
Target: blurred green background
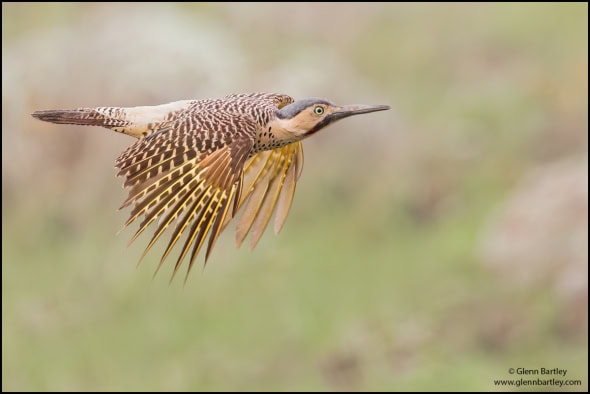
column 431, row 247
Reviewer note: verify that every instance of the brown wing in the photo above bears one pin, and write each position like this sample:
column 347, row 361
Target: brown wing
column 186, row 177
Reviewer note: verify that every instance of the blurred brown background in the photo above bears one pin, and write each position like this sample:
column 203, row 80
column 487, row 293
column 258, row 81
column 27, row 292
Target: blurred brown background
column 431, row 247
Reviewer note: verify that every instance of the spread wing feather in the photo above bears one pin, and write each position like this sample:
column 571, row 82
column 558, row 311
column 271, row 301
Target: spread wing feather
column 270, row 179
column 183, row 188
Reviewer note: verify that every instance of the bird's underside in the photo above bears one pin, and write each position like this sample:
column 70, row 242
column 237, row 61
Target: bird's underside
column 197, row 162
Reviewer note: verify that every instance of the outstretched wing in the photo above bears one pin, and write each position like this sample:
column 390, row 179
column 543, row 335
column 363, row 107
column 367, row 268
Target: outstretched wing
column 187, row 177
column 269, row 182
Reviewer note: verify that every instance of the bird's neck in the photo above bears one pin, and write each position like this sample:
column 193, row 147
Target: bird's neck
column 286, row 129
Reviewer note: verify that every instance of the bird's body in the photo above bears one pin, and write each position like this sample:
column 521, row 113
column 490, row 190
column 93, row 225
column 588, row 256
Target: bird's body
column 196, row 162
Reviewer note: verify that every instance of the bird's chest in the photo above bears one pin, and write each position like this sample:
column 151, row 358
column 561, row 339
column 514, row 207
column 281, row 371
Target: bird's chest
column 268, row 139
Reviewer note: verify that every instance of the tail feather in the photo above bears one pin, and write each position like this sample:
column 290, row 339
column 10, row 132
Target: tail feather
column 81, row 116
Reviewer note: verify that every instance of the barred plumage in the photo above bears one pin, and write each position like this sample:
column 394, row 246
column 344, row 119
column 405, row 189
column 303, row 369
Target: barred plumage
column 197, row 162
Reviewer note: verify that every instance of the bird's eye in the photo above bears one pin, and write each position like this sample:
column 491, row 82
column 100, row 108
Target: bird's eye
column 318, row 110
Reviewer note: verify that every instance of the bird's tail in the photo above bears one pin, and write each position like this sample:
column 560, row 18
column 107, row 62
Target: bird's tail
column 80, row 116
column 134, row 121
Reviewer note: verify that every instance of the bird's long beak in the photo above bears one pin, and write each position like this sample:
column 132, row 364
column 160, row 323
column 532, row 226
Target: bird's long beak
column 349, row 110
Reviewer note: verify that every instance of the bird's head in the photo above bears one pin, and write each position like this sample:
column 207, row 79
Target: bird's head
column 303, row 118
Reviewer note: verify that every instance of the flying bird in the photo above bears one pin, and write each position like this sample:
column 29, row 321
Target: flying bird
column 197, row 162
